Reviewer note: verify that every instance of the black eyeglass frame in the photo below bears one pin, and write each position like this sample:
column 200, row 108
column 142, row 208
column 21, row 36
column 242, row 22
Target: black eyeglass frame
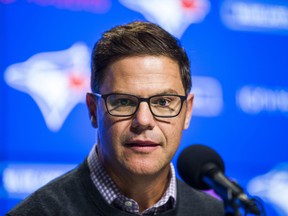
column 147, row 100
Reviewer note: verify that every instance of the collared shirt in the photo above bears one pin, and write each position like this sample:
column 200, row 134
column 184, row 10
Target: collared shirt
column 113, row 196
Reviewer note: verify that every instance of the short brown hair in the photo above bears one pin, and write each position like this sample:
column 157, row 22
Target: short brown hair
column 136, row 39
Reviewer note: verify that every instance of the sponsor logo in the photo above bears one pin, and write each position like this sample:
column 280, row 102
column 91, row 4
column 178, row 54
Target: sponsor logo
column 254, row 16
column 20, row 180
column 255, row 99
column 173, row 15
column 94, row 6
column 208, row 101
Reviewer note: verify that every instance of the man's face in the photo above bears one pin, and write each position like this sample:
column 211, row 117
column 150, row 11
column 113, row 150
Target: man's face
column 141, row 144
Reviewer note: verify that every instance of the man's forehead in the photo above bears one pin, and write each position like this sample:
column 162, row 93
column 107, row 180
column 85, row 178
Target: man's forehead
column 143, row 73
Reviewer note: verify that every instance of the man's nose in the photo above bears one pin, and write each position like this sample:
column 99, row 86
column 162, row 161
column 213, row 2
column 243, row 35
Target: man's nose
column 143, row 118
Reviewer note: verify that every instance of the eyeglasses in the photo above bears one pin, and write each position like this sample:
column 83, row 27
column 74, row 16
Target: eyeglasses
column 124, row 105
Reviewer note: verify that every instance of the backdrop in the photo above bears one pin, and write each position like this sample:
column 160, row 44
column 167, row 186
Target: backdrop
column 239, row 63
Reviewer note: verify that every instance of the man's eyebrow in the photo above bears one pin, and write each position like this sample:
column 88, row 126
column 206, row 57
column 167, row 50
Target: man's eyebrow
column 168, row 91
column 164, row 91
column 160, row 92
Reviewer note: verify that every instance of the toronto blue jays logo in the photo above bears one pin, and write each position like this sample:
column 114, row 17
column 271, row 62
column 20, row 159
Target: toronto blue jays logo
column 272, row 187
column 57, row 81
column 173, row 15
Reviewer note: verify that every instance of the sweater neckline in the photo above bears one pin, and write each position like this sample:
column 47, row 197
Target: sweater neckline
column 98, row 201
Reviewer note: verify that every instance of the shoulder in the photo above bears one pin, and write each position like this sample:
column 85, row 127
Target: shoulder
column 58, row 195
column 198, row 202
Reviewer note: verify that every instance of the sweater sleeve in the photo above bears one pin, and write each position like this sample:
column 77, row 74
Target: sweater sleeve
column 31, row 206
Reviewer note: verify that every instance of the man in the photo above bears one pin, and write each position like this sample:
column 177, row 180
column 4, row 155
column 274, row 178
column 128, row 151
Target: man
column 140, row 105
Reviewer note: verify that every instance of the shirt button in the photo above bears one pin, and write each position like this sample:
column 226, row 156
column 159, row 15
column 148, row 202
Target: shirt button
column 128, row 203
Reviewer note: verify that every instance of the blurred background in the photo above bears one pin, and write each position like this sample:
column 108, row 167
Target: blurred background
column 239, row 63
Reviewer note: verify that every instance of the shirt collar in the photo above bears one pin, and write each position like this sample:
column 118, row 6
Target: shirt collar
column 111, row 193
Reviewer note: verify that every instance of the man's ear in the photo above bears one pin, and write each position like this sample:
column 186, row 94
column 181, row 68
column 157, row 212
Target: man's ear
column 92, row 108
column 189, row 107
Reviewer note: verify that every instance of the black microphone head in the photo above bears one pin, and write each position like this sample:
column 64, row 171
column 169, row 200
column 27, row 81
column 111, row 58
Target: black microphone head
column 196, row 161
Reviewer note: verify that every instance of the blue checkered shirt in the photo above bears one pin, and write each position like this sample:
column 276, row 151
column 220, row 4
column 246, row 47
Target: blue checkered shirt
column 113, row 195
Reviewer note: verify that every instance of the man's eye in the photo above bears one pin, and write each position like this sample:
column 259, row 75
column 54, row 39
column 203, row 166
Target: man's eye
column 163, row 102
column 124, row 102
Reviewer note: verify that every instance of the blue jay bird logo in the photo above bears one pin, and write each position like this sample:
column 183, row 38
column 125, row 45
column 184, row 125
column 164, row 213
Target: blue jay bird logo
column 57, row 81
column 173, row 15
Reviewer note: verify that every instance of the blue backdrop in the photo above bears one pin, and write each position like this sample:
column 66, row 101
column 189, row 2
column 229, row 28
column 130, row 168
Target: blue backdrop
column 239, row 63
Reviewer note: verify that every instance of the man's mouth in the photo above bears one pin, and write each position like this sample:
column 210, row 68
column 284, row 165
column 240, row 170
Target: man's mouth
column 142, row 145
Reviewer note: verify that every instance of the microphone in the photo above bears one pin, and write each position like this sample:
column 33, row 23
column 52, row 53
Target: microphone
column 203, row 168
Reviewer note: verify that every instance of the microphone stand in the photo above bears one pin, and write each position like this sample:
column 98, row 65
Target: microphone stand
column 234, row 202
column 232, row 208
column 235, row 199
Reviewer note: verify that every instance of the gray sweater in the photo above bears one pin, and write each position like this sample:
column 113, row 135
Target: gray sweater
column 75, row 194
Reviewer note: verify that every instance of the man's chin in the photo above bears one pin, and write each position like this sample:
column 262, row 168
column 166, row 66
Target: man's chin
column 144, row 168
